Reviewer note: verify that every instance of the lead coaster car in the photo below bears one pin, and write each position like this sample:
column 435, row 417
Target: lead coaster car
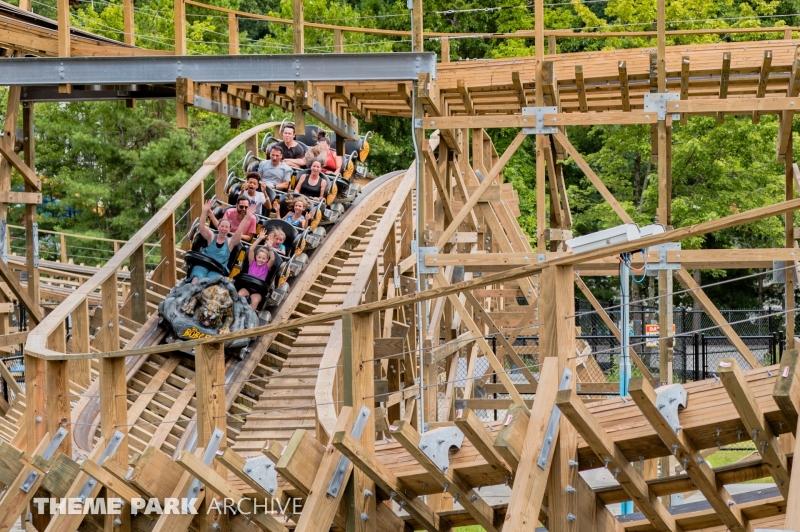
column 207, row 308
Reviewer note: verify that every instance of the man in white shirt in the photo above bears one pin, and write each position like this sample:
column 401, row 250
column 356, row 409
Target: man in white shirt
column 251, row 191
column 274, row 172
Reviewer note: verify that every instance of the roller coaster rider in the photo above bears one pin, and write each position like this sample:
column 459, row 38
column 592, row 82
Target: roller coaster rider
column 312, row 184
column 253, row 190
column 323, row 153
column 220, row 245
column 261, row 260
column 274, row 172
column 238, row 218
column 293, row 151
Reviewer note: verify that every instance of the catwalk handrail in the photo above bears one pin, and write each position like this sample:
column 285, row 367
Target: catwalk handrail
column 37, row 338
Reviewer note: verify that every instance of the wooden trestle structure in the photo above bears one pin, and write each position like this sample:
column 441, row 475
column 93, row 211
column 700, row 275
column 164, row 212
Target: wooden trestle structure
column 343, row 370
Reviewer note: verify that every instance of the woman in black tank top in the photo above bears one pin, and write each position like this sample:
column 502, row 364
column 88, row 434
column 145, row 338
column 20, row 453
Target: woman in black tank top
column 312, row 185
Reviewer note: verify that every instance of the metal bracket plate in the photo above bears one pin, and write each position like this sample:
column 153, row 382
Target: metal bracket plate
column 50, row 450
column 262, row 471
column 662, row 264
column 657, row 103
column 35, row 232
column 111, row 448
column 29, row 481
column 538, row 114
column 421, row 253
column 341, row 469
column 552, row 425
column 208, row 456
column 779, row 270
column 3, row 236
column 668, row 399
column 436, row 445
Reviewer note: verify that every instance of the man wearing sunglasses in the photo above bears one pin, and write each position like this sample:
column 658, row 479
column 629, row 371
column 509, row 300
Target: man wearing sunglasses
column 235, row 215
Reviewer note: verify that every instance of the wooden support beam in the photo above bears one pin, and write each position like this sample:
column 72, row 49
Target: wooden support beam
column 463, row 91
column 169, row 522
column 179, row 15
column 128, row 28
column 623, row 86
column 757, row 428
column 359, row 385
column 17, row 499
column 11, row 279
column 685, row 64
column 516, row 81
column 474, row 198
column 24, row 170
column 214, row 481
column 451, row 481
column 386, row 480
column 58, row 393
column 438, row 179
column 687, row 454
column 511, row 437
column 723, row 82
column 596, row 181
column 786, row 392
column 506, row 348
column 763, row 79
column 531, row 476
column 787, row 117
column 488, row 352
column 581, row 87
column 155, row 473
column 475, row 431
column 550, row 85
column 320, row 508
column 233, row 34
column 72, row 520
column 708, row 306
column 603, row 446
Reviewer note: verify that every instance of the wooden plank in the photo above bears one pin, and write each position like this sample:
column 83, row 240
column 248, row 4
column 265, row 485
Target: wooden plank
column 763, row 79
column 300, row 459
column 753, row 419
column 476, row 432
column 623, row 86
column 24, row 170
column 451, row 481
column 156, row 474
column 723, row 82
column 687, row 454
column 320, row 508
column 786, row 392
column 603, row 446
column 516, row 81
column 463, row 91
column 11, row 279
column 581, row 85
column 510, row 439
column 787, row 117
column 359, row 386
column 531, row 479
